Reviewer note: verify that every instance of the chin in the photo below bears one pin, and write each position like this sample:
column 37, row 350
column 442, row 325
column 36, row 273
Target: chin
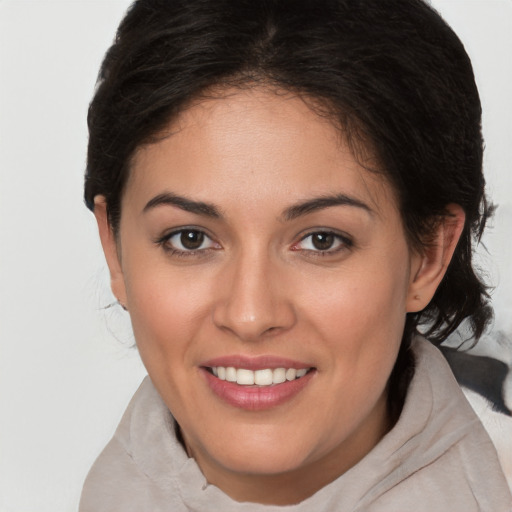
column 264, row 451
column 265, row 462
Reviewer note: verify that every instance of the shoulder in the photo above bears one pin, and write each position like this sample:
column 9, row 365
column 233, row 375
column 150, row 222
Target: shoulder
column 127, row 476
column 114, row 482
column 454, row 465
column 437, row 456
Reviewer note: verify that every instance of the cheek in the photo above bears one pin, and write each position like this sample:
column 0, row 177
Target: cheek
column 171, row 314
column 165, row 309
column 360, row 315
column 359, row 300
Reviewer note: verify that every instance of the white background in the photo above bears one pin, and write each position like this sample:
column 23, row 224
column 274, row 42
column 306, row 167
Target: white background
column 66, row 367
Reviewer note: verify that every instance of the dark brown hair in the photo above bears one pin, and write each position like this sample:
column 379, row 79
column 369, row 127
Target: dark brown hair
column 391, row 74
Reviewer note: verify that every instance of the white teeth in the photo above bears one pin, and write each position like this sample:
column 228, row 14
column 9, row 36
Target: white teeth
column 231, row 374
column 279, row 376
column 265, row 377
column 291, row 373
column 244, row 377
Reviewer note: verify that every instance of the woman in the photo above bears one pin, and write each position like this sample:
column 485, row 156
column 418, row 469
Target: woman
column 285, row 191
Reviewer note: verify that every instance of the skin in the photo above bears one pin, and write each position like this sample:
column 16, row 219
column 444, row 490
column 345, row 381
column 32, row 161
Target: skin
column 259, row 286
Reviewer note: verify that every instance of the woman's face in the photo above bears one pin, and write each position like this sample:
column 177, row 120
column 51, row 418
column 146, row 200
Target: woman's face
column 253, row 244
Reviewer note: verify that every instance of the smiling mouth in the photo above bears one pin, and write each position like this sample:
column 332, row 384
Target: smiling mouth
column 261, row 378
column 257, row 385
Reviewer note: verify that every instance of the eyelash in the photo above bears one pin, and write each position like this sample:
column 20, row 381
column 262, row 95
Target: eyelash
column 165, row 243
column 342, row 243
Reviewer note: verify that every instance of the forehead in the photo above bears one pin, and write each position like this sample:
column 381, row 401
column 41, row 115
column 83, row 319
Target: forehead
column 256, row 144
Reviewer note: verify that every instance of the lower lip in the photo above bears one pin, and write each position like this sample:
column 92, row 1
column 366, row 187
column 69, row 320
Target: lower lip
column 256, row 398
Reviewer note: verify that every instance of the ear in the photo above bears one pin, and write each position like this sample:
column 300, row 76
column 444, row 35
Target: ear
column 429, row 267
column 110, row 249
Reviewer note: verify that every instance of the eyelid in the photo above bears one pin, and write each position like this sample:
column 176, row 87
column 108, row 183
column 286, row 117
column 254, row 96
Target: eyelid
column 344, row 241
column 164, row 241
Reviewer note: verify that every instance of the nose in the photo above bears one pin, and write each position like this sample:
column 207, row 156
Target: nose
column 252, row 301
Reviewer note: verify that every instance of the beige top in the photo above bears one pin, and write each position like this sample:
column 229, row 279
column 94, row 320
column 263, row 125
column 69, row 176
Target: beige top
column 437, row 458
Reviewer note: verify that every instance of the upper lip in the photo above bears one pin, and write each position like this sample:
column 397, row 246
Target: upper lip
column 255, row 363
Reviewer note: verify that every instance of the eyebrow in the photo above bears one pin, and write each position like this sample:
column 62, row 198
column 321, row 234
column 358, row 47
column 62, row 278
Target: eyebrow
column 290, row 213
column 188, row 205
column 319, row 203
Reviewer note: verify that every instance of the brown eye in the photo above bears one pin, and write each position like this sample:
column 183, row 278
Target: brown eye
column 322, row 241
column 191, row 239
column 325, row 242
